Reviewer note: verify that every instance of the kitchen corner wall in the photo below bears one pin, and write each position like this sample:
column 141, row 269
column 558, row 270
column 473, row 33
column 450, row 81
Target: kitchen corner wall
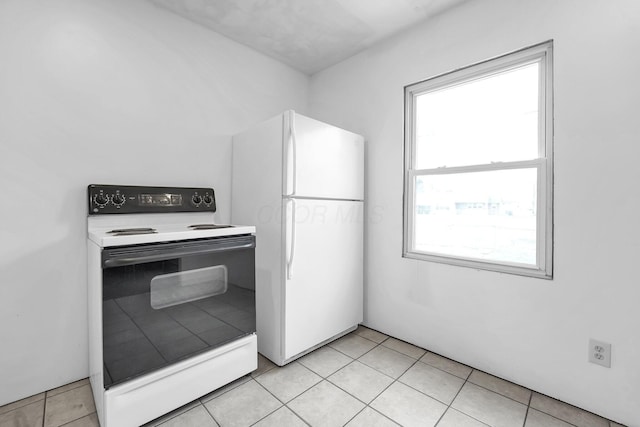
column 104, row 91
column 531, row 331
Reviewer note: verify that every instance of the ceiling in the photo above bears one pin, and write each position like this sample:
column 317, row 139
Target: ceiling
column 309, row 35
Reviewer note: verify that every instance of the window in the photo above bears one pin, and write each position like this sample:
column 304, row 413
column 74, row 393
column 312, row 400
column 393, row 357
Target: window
column 478, row 165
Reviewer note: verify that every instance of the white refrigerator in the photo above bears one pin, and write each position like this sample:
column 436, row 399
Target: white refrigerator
column 301, row 182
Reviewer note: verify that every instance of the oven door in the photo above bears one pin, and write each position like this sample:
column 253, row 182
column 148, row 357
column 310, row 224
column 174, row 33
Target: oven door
column 164, row 302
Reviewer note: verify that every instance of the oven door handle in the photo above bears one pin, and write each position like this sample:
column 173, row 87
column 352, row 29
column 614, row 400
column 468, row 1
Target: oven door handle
column 120, row 260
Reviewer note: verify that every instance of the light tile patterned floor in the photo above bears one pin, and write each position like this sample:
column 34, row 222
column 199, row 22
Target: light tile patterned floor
column 363, row 379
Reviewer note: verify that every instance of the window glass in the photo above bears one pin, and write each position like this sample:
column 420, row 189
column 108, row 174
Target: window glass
column 492, row 119
column 483, row 215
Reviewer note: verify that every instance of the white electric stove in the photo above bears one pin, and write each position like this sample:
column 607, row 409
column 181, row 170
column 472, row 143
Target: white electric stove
column 171, row 300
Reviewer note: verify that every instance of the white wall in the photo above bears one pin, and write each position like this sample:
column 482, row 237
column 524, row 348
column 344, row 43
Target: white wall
column 103, row 91
column 531, row 331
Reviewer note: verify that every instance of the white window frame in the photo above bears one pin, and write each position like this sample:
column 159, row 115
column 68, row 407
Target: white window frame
column 541, row 53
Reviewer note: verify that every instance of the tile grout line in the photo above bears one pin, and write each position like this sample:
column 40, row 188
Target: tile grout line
column 498, row 393
column 454, row 399
column 368, row 351
column 285, row 404
column 416, row 361
column 568, row 404
column 44, row 407
column 526, row 415
column 3, row 409
column 559, row 419
column 381, row 414
column 295, row 413
column 323, row 378
column 302, row 392
column 528, row 405
column 337, row 386
column 290, row 400
column 395, row 380
column 70, row 388
column 208, row 412
column 363, row 409
column 47, row 397
column 421, row 392
column 73, row 421
column 366, row 405
column 251, row 378
column 516, row 384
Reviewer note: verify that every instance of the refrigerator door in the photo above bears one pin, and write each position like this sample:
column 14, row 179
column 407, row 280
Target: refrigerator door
column 322, row 161
column 323, row 271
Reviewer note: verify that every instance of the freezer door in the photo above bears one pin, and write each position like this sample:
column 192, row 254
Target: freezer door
column 322, row 161
column 323, row 271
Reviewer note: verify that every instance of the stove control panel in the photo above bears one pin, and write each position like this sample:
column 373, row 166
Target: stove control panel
column 116, row 199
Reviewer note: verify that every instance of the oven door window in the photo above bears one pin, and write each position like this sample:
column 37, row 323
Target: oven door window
column 182, row 287
column 166, row 302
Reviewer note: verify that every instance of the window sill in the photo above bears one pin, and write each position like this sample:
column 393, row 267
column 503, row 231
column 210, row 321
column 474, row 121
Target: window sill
column 511, row 268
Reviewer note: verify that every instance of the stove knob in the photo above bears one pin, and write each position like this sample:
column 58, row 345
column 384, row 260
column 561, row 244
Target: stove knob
column 207, row 199
column 196, row 199
column 101, row 199
column 118, row 199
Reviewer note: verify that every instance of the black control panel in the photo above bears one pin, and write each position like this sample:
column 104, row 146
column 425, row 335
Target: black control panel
column 121, row 199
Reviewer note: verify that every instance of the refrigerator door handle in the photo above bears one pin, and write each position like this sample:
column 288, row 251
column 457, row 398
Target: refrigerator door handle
column 292, row 241
column 292, row 135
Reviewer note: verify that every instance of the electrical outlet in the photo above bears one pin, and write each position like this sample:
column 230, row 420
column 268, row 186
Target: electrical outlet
column 600, row 353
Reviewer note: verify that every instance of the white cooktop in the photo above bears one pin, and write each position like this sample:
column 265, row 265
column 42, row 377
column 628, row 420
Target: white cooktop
column 169, row 227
